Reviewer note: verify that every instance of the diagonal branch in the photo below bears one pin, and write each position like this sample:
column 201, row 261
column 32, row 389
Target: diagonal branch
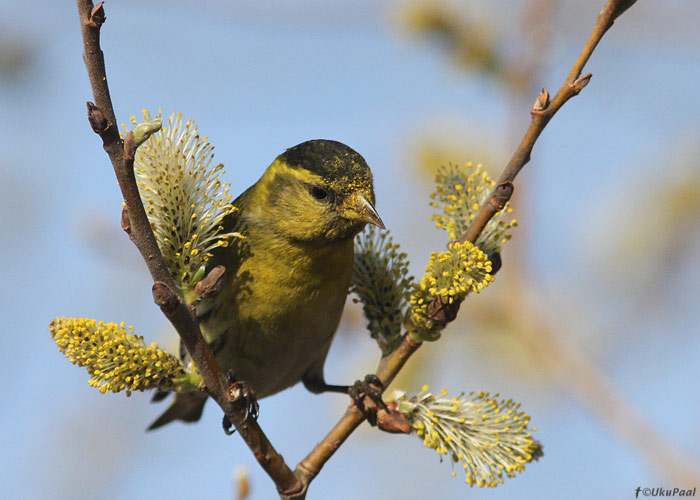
column 542, row 112
column 103, row 121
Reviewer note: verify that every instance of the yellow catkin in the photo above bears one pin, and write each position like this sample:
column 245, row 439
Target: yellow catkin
column 488, row 450
column 116, row 360
column 451, row 274
column 460, row 205
column 187, row 201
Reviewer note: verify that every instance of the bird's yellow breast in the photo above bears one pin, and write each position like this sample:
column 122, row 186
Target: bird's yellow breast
column 279, row 309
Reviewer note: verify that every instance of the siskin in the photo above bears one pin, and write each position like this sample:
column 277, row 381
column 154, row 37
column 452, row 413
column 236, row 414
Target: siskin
column 286, row 281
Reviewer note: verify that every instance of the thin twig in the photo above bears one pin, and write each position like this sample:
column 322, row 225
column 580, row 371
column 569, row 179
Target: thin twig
column 542, row 112
column 103, row 121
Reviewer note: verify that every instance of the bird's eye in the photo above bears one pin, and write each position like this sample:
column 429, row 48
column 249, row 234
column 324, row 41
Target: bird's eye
column 319, row 193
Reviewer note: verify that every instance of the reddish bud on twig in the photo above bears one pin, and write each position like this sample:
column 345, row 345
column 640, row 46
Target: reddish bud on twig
column 97, row 15
column 496, row 262
column 242, row 484
column 501, row 195
column 129, row 147
column 620, row 6
column 441, row 311
column 98, row 121
column 126, row 222
column 391, row 420
column 541, row 102
column 165, row 298
column 580, row 83
column 212, row 283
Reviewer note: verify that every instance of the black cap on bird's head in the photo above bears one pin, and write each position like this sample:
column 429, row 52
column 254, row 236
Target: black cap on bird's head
column 331, row 160
column 336, row 174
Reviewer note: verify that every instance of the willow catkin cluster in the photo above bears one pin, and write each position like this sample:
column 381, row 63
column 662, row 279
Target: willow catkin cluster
column 460, row 192
column 115, row 358
column 491, row 438
column 381, row 282
column 184, row 197
column 450, row 275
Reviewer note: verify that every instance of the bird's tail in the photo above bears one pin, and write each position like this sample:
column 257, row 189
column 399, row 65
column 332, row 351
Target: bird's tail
column 187, row 407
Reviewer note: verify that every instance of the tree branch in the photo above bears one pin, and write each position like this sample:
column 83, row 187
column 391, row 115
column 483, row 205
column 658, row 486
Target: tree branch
column 542, row 112
column 103, row 121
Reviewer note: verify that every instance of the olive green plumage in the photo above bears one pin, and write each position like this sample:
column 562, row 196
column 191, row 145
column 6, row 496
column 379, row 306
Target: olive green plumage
column 286, row 282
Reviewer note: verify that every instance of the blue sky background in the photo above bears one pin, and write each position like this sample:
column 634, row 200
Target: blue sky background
column 260, row 78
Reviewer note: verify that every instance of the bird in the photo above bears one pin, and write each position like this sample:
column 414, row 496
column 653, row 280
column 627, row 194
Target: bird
column 287, row 279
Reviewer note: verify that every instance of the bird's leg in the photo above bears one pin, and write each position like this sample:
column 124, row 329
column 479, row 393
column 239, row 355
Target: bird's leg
column 245, row 395
column 318, row 385
column 371, row 387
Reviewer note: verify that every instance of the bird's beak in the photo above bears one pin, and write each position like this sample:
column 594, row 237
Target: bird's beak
column 367, row 212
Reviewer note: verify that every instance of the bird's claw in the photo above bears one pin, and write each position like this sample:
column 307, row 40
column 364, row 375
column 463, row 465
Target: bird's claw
column 227, row 425
column 372, row 388
column 241, row 393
